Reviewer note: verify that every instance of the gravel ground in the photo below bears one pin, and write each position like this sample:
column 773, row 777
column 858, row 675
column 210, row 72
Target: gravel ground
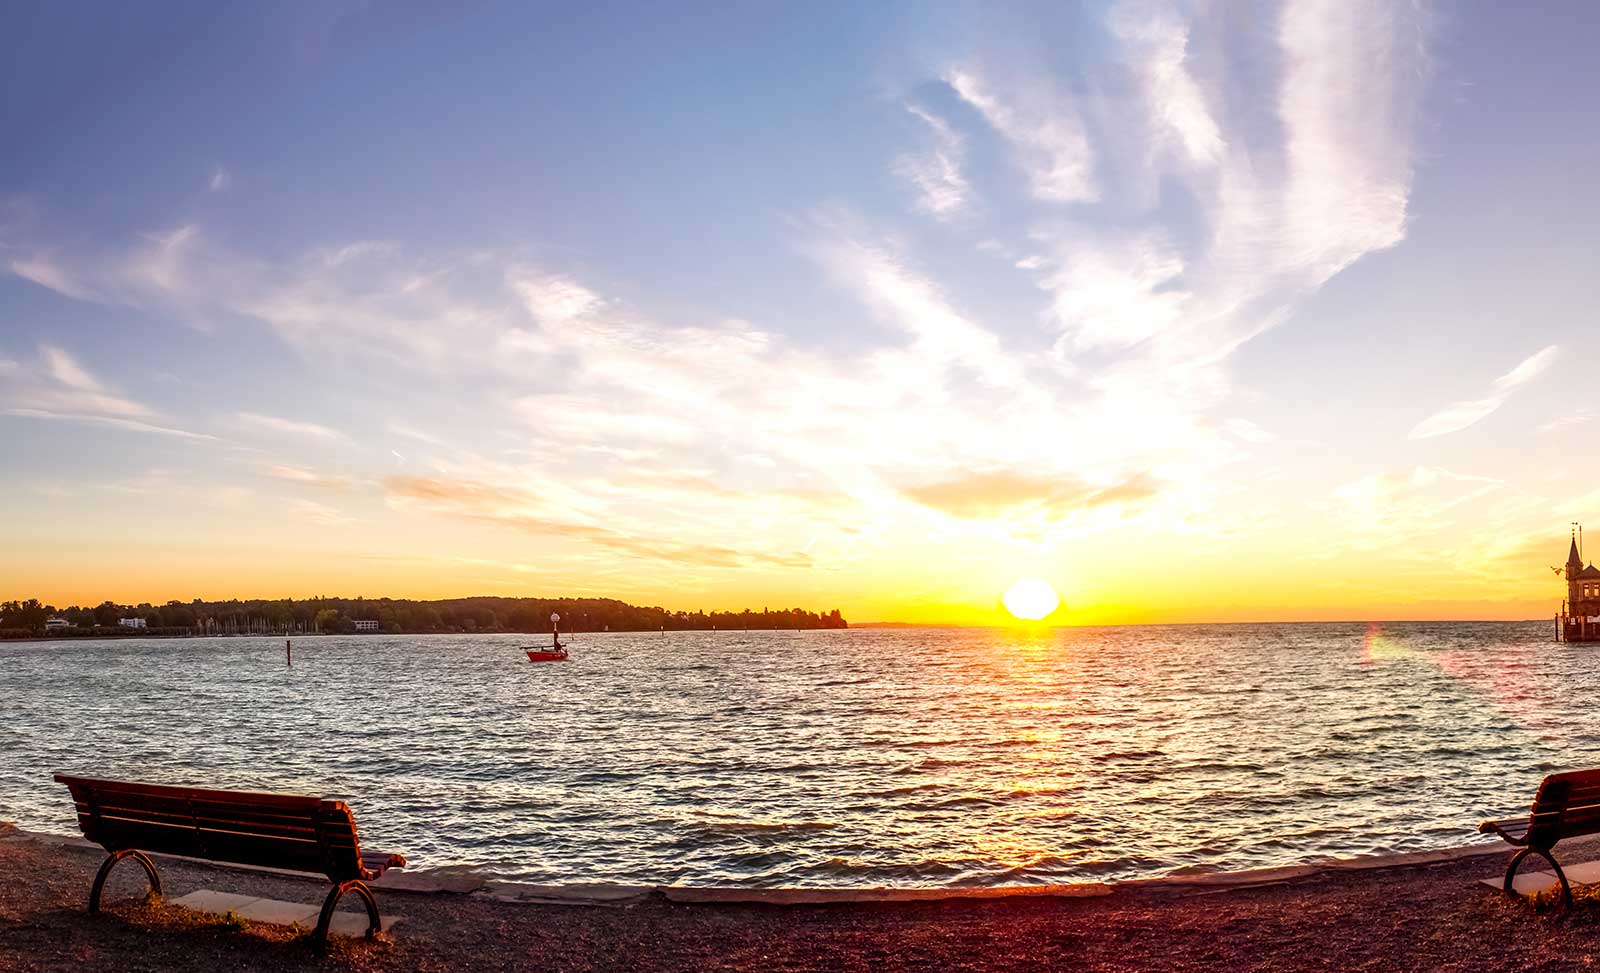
column 1401, row 918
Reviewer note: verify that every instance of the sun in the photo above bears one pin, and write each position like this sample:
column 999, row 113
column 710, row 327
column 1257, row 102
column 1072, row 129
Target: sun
column 1031, row 599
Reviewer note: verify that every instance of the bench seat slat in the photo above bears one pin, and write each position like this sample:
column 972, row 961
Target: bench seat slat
column 248, row 821
column 252, row 810
column 1585, row 794
column 274, row 833
column 117, row 799
column 134, row 814
column 117, row 835
column 202, row 812
column 248, row 849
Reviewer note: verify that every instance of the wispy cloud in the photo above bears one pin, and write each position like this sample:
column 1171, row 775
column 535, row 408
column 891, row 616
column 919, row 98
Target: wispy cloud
column 1010, row 494
column 320, row 514
column 1149, row 304
column 181, row 484
column 942, row 189
column 521, row 511
column 411, row 432
column 310, row 478
column 173, row 269
column 1461, row 415
column 1051, row 143
column 1248, row 431
column 111, row 422
column 553, row 300
column 366, row 298
column 57, row 386
column 1387, row 510
column 1349, row 150
column 1175, row 107
column 44, row 270
column 1115, row 293
column 1570, row 420
column 287, row 427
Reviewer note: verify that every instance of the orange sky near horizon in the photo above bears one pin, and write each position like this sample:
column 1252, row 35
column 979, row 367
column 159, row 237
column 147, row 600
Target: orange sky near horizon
column 1210, row 579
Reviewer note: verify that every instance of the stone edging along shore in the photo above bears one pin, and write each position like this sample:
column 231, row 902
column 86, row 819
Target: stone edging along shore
column 458, row 881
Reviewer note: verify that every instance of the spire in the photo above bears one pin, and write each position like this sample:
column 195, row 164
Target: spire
column 1574, row 562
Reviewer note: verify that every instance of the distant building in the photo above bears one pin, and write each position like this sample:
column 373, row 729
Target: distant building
column 1579, row 620
column 366, row 625
column 56, row 624
column 131, row 622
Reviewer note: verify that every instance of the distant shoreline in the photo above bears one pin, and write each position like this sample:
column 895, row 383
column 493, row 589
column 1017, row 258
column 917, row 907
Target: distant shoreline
column 115, row 635
column 296, row 636
column 30, row 618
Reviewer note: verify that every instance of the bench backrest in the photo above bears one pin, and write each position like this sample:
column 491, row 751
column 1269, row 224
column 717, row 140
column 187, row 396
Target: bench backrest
column 303, row 834
column 1566, row 806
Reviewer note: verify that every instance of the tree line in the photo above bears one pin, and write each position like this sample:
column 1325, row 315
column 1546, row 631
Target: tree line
column 27, row 618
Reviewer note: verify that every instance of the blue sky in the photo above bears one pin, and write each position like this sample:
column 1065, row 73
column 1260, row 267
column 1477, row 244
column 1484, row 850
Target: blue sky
column 872, row 305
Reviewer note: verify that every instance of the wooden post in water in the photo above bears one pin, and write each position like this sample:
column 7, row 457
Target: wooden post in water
column 288, row 652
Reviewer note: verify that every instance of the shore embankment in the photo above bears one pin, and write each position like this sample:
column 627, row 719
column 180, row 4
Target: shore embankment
column 1412, row 912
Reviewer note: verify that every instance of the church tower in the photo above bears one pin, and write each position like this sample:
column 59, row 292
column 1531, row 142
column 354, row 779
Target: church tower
column 1579, row 620
column 1574, row 569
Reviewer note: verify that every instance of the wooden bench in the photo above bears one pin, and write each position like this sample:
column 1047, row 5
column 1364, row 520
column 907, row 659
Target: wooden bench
column 1566, row 806
column 301, row 834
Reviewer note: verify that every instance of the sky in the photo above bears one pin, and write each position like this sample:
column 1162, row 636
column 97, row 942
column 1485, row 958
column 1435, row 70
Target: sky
column 1196, row 311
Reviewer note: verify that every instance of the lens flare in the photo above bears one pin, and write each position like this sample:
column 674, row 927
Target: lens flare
column 1031, row 599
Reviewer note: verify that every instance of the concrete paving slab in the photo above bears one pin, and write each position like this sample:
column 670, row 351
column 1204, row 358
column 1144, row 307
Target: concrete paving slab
column 353, row 924
column 221, row 903
column 1528, row 883
column 277, row 913
column 436, row 881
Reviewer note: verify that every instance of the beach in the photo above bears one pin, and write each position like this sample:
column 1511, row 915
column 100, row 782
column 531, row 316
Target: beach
column 1419, row 915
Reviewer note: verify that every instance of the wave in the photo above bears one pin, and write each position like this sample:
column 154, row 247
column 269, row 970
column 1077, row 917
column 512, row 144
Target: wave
column 764, row 827
column 1126, row 755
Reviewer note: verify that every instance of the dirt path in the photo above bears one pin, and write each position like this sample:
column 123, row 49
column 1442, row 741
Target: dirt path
column 1408, row 918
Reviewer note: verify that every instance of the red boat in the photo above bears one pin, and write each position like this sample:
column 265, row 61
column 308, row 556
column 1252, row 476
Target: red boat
column 552, row 653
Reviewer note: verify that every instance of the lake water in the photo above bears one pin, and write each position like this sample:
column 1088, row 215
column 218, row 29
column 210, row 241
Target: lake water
column 858, row 758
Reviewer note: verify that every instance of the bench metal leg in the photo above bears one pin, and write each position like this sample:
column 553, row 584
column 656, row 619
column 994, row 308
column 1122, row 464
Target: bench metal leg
column 374, row 925
column 1511, row 871
column 110, row 862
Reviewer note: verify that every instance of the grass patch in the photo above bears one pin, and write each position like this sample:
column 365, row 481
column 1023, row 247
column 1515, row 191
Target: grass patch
column 1585, row 902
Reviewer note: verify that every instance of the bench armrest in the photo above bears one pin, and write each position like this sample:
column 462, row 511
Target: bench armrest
column 1512, row 830
column 375, row 863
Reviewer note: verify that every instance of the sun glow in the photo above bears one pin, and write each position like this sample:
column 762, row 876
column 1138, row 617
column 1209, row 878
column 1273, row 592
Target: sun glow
column 1031, row 599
